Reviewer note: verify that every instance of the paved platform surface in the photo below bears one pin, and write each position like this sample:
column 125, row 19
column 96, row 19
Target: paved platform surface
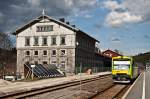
column 45, row 82
column 147, row 84
column 141, row 88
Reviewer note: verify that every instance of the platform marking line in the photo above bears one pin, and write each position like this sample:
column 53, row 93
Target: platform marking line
column 126, row 94
column 143, row 93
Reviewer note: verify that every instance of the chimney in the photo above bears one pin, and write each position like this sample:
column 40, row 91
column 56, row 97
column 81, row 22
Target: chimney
column 62, row 19
column 67, row 23
column 73, row 26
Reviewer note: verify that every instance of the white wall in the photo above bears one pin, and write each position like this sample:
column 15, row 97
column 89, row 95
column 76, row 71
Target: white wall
column 57, row 30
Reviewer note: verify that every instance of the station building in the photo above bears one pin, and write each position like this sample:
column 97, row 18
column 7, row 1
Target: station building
column 45, row 40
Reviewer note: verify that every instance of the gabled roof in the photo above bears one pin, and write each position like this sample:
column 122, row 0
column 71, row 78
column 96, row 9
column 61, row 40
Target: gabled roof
column 38, row 19
column 101, row 54
column 112, row 52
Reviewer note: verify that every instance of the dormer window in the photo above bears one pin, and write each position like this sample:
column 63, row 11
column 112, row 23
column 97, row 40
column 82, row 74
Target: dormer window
column 44, row 28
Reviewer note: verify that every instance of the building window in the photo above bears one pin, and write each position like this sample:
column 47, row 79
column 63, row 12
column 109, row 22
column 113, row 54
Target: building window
column 62, row 66
column 35, row 62
column 53, row 52
column 27, row 53
column 44, row 62
column 27, row 62
column 62, row 40
column 27, row 41
column 63, row 62
column 36, row 53
column 44, row 41
column 62, row 52
column 53, row 40
column 44, row 52
column 53, row 62
column 36, row 41
column 44, row 28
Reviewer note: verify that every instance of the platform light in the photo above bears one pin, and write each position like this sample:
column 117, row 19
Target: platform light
column 77, row 43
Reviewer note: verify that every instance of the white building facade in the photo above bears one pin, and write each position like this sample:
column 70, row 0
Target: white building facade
column 45, row 40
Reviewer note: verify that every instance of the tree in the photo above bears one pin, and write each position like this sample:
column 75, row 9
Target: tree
column 118, row 51
column 142, row 58
column 5, row 42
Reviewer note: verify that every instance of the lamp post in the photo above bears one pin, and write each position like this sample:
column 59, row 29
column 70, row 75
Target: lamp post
column 77, row 44
column 80, row 77
column 32, row 76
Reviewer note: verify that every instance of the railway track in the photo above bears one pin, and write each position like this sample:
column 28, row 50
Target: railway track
column 36, row 91
column 115, row 91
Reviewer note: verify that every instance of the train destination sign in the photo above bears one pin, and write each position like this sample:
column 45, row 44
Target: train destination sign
column 122, row 62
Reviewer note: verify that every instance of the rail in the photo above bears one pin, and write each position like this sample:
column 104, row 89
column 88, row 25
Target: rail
column 36, row 91
column 112, row 92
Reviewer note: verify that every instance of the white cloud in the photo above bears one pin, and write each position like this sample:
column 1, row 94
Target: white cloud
column 85, row 3
column 66, row 7
column 1, row 17
column 112, row 5
column 34, row 2
column 136, row 51
column 88, row 16
column 138, row 7
column 131, row 11
column 24, row 10
column 118, row 18
column 69, row 2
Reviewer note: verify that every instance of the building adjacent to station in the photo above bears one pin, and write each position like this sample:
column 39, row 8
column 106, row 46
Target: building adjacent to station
column 45, row 40
column 111, row 53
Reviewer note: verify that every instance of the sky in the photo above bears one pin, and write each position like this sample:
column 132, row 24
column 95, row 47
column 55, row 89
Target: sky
column 118, row 24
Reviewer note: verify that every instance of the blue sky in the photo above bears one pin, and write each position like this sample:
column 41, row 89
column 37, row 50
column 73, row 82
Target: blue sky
column 117, row 24
column 129, row 37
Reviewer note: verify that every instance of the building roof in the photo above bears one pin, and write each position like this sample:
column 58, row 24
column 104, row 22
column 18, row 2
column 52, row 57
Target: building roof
column 38, row 19
column 103, row 55
column 111, row 53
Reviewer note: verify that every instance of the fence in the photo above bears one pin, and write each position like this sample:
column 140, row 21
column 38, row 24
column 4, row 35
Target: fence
column 93, row 69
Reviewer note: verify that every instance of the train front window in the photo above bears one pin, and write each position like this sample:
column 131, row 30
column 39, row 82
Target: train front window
column 121, row 65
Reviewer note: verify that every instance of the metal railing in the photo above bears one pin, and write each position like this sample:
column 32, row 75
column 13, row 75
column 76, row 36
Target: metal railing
column 93, row 69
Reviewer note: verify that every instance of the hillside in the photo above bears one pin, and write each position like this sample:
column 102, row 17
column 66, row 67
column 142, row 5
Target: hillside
column 142, row 58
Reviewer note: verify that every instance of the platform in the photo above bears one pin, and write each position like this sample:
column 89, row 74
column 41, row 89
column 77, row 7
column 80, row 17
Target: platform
column 140, row 89
column 45, row 82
